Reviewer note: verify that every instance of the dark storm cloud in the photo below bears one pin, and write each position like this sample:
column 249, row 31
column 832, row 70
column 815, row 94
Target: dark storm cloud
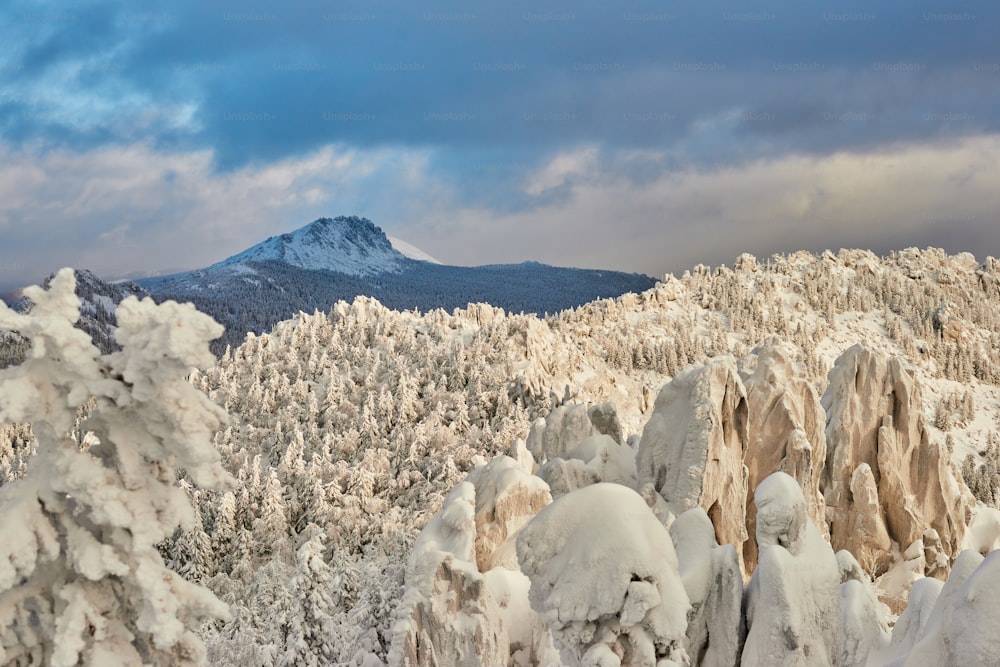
column 267, row 81
column 573, row 132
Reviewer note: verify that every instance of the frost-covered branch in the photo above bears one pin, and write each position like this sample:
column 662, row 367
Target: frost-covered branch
column 81, row 581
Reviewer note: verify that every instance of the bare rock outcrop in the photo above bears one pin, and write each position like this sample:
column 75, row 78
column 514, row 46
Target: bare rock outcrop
column 693, row 445
column 785, row 432
column 874, row 418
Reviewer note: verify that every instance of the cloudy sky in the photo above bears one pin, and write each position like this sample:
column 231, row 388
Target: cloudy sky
column 637, row 135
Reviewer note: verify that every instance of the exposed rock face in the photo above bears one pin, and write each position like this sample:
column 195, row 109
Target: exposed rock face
column 865, row 524
column 785, row 432
column 456, row 590
column 693, row 445
column 604, row 417
column 875, row 419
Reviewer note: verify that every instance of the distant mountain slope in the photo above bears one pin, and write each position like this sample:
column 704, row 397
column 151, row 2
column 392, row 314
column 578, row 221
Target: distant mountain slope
column 348, row 245
column 338, row 259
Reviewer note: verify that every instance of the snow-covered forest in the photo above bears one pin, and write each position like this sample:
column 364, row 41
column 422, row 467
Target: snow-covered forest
column 350, row 432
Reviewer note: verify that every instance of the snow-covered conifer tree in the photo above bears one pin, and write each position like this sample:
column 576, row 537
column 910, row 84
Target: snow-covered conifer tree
column 81, row 580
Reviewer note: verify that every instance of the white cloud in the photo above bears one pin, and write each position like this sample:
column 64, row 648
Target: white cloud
column 943, row 193
column 133, row 210
column 564, row 168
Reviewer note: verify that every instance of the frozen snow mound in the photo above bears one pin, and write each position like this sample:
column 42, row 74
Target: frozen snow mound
column 714, row 583
column 604, row 574
column 962, row 626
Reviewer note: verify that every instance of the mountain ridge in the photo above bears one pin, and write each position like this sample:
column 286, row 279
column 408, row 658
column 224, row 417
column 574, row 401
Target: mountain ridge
column 338, row 259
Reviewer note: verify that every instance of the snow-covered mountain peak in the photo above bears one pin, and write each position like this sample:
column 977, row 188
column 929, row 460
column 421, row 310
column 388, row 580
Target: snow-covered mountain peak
column 347, row 244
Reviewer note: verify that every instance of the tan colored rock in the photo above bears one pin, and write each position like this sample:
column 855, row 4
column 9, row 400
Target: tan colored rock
column 872, row 543
column 693, row 445
column 456, row 591
column 785, row 432
column 506, row 499
column 875, row 417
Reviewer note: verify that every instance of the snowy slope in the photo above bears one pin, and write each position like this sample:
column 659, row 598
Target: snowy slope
column 410, row 250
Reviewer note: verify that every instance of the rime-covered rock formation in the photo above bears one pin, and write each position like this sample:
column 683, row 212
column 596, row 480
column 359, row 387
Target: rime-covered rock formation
column 557, row 435
column 693, row 445
column 611, row 461
column 865, row 629
column 507, row 496
column 714, row 584
column 793, row 610
column 954, row 624
column 466, row 600
column 604, row 575
column 875, row 419
column 565, row 475
column 785, row 432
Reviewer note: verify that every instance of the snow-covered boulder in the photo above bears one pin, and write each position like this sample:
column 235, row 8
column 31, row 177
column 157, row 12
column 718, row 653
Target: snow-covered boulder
column 611, row 461
column 785, row 432
column 793, row 608
column 692, row 447
column 506, row 499
column 875, row 418
column 604, row 575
